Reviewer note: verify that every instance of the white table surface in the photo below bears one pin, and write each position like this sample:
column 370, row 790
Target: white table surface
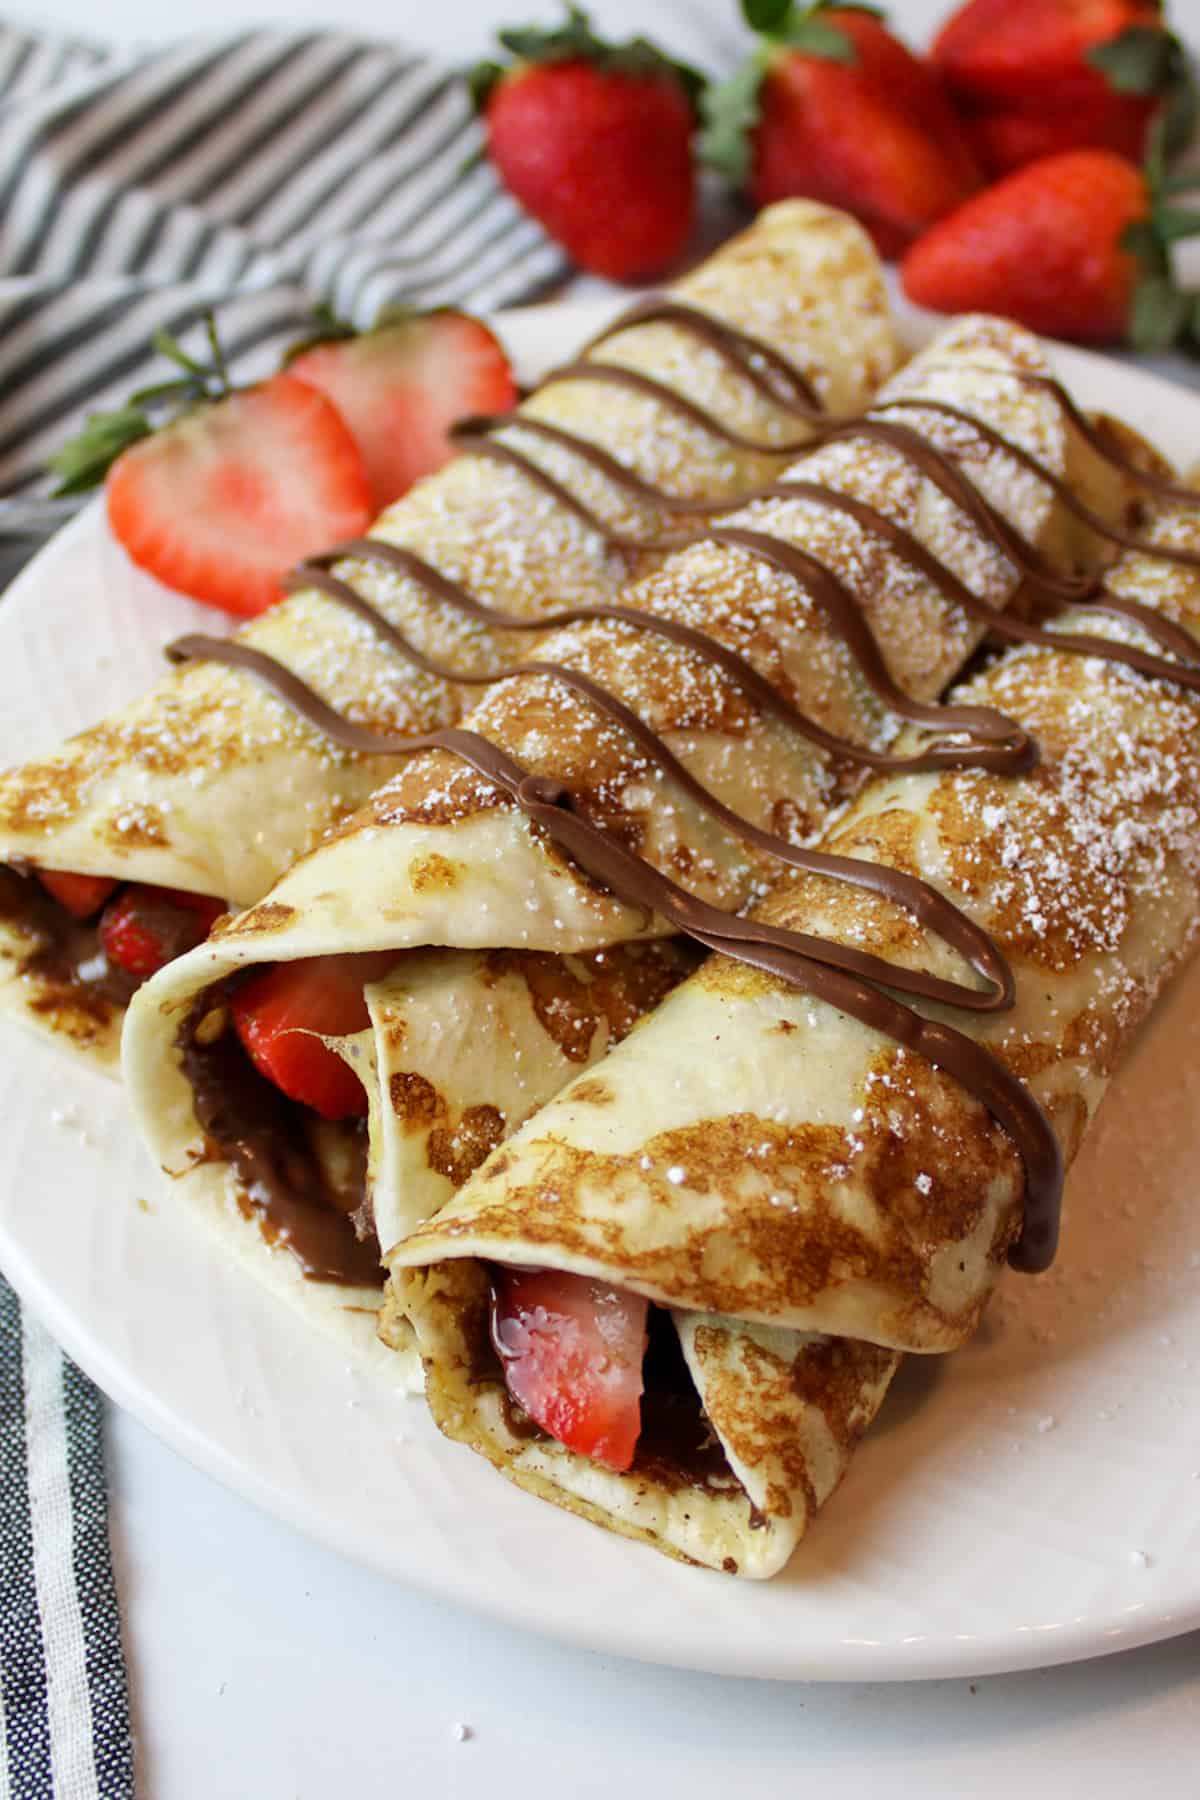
column 264, row 1666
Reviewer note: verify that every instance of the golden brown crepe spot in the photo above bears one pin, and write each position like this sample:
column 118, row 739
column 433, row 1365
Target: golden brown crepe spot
column 137, row 828
column 572, row 996
column 1095, row 1036
column 742, row 1393
column 780, row 1237
column 931, row 1152
column 784, row 1027
column 428, row 873
column 498, row 1167
column 592, row 1093
column 415, row 1100
column 831, row 1375
column 270, row 915
column 729, row 1564
column 738, row 981
column 457, row 1153
column 1029, row 1060
column 889, row 836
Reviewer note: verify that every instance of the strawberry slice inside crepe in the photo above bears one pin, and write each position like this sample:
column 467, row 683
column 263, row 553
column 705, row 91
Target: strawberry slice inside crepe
column 283, row 1015
column 572, row 1351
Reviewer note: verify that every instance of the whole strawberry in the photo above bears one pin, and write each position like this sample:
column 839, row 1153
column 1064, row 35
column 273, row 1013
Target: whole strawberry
column 831, row 106
column 1076, row 246
column 594, row 140
column 1035, row 77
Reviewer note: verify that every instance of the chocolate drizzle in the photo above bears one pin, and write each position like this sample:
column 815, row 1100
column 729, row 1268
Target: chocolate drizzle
column 855, row 982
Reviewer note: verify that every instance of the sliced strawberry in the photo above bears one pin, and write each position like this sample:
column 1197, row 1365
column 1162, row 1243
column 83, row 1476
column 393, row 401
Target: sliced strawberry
column 82, row 895
column 145, row 928
column 221, row 503
column 282, row 1014
column 572, row 1351
column 401, row 387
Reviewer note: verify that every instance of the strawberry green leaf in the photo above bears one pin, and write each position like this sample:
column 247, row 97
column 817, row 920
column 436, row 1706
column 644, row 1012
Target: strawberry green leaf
column 1181, row 111
column 481, row 79
column 1159, row 314
column 814, row 36
column 1142, row 240
column 327, row 328
column 765, row 15
column 574, row 40
column 730, row 111
column 1136, row 61
column 1184, row 181
column 85, row 461
column 1174, row 222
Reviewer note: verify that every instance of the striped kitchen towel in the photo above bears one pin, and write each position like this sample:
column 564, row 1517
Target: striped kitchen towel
column 64, row 1711
column 259, row 174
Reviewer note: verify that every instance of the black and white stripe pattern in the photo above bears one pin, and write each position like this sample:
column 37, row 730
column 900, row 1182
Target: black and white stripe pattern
column 258, row 173
column 64, row 1710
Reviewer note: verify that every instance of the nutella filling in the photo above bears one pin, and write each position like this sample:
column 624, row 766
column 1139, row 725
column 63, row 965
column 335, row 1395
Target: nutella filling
column 66, row 959
column 248, row 1122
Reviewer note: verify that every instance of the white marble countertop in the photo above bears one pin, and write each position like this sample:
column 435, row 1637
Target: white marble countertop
column 263, row 1665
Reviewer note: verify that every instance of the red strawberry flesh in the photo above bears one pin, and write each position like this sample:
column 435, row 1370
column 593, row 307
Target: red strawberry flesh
column 1020, row 52
column 282, row 1014
column 875, row 136
column 401, row 387
column 602, row 158
column 572, row 1350
column 221, row 503
column 145, row 928
column 81, row 895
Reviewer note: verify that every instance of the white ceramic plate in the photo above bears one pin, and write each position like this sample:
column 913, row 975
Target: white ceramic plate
column 1033, row 1499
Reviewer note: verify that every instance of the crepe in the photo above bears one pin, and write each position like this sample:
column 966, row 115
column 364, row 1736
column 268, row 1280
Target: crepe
column 442, row 856
column 769, row 1165
column 209, row 785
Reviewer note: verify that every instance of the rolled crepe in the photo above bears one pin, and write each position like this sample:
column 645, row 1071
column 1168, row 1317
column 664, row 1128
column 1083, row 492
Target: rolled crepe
column 769, row 1166
column 209, row 784
column 441, row 856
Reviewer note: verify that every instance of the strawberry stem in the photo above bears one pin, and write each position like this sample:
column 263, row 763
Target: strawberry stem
column 730, row 110
column 575, row 41
column 85, row 460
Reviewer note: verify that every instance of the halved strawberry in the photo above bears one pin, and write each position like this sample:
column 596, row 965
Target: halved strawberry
column 223, row 501
column 400, row 387
column 281, row 1015
column 82, row 895
column 572, row 1351
column 145, row 928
